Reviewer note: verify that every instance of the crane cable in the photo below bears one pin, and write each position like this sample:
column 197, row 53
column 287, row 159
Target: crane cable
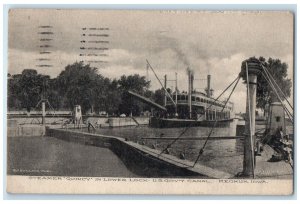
column 273, row 88
column 202, row 149
column 273, row 80
column 166, row 92
column 184, row 131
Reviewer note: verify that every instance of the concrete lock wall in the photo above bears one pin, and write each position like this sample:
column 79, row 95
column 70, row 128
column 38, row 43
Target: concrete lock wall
column 135, row 159
column 128, row 121
column 143, row 120
column 14, row 129
column 38, row 120
column 98, row 122
column 121, row 122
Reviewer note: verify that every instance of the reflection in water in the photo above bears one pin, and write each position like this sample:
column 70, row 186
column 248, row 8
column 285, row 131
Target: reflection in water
column 223, row 154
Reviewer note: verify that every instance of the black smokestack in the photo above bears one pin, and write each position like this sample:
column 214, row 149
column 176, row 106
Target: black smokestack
column 208, row 92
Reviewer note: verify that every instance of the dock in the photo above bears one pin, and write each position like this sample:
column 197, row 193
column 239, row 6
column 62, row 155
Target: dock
column 141, row 159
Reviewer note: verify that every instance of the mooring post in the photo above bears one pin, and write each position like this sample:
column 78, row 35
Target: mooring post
column 250, row 69
column 43, row 112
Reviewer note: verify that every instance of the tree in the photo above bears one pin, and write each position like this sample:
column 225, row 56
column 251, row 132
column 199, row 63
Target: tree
column 78, row 84
column 113, row 99
column 26, row 90
column 278, row 71
column 159, row 96
column 134, row 83
column 81, row 85
column 13, row 90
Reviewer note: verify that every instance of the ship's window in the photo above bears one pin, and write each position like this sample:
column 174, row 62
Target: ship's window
column 193, row 98
column 198, row 99
column 174, row 97
column 278, row 119
column 201, row 99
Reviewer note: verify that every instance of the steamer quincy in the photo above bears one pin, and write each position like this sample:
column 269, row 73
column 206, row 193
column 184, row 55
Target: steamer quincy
column 192, row 108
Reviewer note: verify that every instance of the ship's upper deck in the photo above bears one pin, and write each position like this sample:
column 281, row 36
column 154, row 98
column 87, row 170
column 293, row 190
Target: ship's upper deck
column 200, row 99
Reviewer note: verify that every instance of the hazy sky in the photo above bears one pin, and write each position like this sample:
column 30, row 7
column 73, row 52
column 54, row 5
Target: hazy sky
column 208, row 42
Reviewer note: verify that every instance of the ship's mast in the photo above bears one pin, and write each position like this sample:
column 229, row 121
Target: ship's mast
column 165, row 85
column 166, row 92
column 190, row 93
column 147, row 73
column 176, row 92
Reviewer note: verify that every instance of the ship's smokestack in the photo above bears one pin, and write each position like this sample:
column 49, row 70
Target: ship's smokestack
column 208, row 91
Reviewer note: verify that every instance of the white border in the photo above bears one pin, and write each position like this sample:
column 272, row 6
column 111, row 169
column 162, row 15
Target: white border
column 2, row 76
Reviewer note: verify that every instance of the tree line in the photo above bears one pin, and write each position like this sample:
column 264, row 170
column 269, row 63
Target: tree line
column 81, row 84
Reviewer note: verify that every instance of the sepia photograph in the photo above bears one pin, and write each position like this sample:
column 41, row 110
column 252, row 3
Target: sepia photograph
column 150, row 102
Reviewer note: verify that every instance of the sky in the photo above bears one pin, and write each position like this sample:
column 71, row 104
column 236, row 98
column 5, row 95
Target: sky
column 212, row 43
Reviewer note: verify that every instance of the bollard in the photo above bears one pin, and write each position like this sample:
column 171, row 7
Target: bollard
column 182, row 156
column 249, row 71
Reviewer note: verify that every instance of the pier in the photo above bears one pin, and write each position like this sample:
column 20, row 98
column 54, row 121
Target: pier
column 140, row 159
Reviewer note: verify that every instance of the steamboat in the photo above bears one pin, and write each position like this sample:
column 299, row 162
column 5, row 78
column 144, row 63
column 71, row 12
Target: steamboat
column 188, row 109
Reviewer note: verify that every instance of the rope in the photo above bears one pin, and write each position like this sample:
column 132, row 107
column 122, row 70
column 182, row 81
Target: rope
column 272, row 79
column 202, row 149
column 273, row 88
column 184, row 131
column 161, row 83
column 290, row 115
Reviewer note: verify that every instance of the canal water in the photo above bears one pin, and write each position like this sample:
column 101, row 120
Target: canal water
column 48, row 156
column 222, row 154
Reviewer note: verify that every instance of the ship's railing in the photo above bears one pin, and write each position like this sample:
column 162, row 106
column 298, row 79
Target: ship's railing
column 195, row 103
column 209, row 101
